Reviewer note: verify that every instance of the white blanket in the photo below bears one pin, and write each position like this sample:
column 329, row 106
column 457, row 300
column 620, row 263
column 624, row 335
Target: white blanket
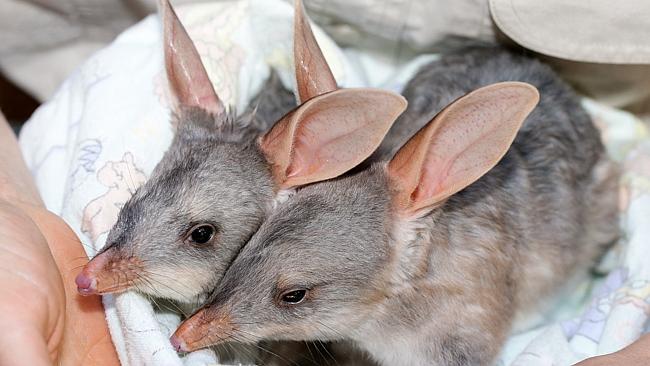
column 105, row 129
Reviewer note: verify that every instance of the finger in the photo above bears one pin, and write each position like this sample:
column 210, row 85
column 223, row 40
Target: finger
column 87, row 339
column 637, row 353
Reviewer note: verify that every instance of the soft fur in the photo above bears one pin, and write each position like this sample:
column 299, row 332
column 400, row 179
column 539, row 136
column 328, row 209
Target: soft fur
column 213, row 172
column 443, row 288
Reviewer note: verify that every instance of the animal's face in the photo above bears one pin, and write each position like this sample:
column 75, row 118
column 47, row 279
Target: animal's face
column 312, row 271
column 175, row 237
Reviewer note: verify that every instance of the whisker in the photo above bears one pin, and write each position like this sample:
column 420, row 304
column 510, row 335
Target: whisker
column 260, row 347
column 151, row 298
column 324, row 346
column 311, row 355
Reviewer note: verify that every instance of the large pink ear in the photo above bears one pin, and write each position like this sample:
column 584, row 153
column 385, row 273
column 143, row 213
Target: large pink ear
column 187, row 77
column 463, row 142
column 313, row 74
column 329, row 134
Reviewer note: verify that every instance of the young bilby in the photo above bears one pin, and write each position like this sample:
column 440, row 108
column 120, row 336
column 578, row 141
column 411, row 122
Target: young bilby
column 220, row 177
column 425, row 259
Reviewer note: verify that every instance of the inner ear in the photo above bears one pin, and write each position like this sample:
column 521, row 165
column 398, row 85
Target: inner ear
column 313, row 74
column 329, row 134
column 463, row 142
column 188, row 80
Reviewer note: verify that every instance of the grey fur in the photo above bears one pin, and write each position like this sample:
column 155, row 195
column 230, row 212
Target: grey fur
column 271, row 103
column 213, row 172
column 442, row 289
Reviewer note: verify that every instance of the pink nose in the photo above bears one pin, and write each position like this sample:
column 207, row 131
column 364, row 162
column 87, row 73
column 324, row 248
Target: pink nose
column 87, row 280
column 85, row 284
column 178, row 344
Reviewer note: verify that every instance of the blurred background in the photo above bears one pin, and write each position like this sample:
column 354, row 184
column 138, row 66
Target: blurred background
column 15, row 103
column 604, row 53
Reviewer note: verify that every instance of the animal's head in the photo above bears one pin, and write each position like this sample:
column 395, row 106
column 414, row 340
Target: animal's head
column 175, row 237
column 324, row 262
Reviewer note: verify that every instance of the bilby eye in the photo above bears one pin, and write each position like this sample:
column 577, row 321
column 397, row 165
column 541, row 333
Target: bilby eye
column 294, row 297
column 201, row 234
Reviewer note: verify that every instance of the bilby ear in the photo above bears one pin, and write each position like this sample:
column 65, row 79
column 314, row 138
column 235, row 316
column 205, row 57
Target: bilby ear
column 329, row 134
column 313, row 75
column 463, row 142
column 187, row 77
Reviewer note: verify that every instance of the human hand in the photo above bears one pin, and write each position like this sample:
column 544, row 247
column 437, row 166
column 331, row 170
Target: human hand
column 44, row 320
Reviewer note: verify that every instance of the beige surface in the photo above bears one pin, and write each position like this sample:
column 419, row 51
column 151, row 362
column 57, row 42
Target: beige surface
column 621, row 86
column 599, row 46
column 412, row 23
column 602, row 31
column 43, row 41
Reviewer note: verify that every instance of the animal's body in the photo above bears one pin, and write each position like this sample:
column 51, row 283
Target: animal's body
column 426, row 259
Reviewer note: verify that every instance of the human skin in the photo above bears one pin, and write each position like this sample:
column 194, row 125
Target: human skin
column 44, row 320
column 638, row 353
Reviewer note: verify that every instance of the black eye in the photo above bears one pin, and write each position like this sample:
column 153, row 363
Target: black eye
column 294, row 297
column 201, row 234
